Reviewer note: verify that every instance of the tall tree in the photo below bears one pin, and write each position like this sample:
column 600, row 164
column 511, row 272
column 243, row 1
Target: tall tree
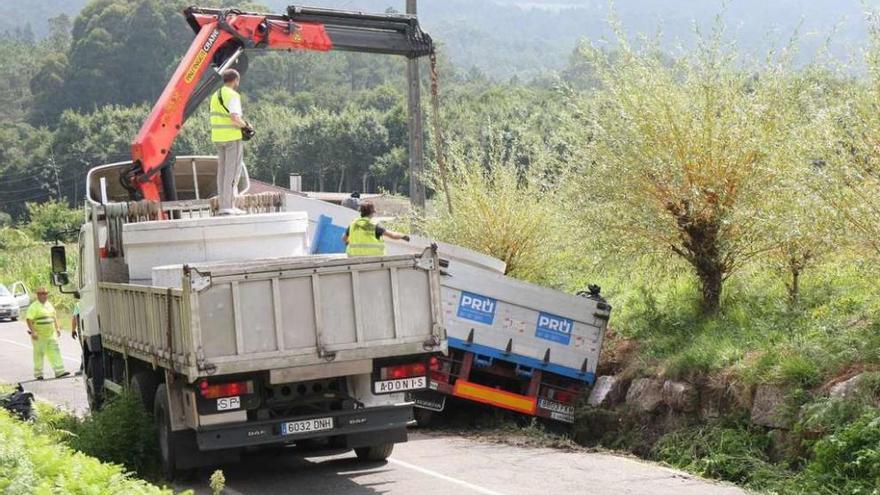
column 678, row 156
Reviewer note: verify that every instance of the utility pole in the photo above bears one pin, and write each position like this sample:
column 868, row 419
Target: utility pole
column 416, row 143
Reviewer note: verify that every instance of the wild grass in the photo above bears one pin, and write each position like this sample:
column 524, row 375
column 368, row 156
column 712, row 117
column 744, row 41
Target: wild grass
column 24, row 259
column 35, row 462
column 120, row 433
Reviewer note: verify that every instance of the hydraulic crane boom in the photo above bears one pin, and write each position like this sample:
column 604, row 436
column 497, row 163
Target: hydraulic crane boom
column 222, row 37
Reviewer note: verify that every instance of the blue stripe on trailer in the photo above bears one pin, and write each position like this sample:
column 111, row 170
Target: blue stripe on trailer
column 483, row 350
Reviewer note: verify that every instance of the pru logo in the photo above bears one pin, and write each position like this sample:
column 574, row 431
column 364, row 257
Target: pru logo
column 554, row 328
column 477, row 308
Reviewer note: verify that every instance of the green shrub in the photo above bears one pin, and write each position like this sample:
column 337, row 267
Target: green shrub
column 52, row 221
column 848, row 460
column 729, row 452
column 122, row 432
column 33, row 463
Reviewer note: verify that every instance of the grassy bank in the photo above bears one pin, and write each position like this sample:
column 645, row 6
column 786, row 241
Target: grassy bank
column 759, row 337
column 33, row 461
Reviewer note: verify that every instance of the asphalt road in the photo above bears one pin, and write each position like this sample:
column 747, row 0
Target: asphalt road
column 426, row 465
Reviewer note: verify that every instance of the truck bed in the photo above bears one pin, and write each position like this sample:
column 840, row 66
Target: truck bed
column 237, row 317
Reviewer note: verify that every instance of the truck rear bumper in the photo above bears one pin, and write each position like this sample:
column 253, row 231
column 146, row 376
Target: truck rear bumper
column 360, row 427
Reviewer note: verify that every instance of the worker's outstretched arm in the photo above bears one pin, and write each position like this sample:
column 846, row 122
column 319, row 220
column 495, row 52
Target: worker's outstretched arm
column 397, row 236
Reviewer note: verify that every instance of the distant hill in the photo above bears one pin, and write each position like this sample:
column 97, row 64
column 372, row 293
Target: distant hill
column 34, row 14
column 526, row 38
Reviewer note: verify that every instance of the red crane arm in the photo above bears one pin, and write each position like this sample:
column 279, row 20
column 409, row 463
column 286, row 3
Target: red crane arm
column 221, row 38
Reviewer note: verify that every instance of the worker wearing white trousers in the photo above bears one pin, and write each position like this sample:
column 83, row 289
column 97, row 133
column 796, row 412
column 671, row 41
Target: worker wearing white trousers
column 227, row 130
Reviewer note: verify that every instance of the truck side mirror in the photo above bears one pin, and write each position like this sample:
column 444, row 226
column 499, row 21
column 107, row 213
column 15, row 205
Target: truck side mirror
column 59, row 260
column 60, row 279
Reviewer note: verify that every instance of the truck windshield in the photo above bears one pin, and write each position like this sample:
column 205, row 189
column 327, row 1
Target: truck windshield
column 3, row 290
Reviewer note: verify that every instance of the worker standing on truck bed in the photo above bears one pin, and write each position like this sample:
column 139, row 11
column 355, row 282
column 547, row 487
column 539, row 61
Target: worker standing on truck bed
column 227, row 129
column 44, row 330
column 365, row 238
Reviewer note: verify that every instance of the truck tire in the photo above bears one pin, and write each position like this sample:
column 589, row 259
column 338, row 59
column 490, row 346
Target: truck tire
column 144, row 385
column 95, row 374
column 117, row 370
column 376, row 453
column 423, row 417
column 13, row 318
column 171, row 443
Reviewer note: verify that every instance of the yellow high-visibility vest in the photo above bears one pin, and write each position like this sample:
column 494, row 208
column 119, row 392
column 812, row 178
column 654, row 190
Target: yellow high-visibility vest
column 223, row 129
column 43, row 316
column 362, row 239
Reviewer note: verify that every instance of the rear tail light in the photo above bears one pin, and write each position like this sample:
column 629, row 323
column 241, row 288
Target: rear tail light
column 217, row 390
column 434, row 363
column 562, row 396
column 402, row 371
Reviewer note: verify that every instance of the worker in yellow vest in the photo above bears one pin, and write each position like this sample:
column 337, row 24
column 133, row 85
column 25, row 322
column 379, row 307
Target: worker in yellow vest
column 228, row 128
column 364, row 237
column 44, row 329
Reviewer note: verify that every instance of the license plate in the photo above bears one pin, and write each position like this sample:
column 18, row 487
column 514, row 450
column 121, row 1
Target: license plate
column 228, row 403
column 559, row 412
column 400, row 385
column 429, row 400
column 306, row 426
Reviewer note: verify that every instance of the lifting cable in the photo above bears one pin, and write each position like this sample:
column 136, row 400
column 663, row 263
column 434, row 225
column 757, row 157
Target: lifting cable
column 438, row 131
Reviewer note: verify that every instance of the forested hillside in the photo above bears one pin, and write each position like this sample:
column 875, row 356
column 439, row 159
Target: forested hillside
column 528, row 38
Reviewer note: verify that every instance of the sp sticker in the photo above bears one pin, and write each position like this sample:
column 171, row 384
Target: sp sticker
column 554, row 328
column 477, row 308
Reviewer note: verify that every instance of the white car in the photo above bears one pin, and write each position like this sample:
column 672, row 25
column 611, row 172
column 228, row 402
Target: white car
column 13, row 303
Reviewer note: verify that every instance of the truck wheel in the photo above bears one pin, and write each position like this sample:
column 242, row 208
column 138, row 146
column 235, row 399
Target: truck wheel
column 13, row 318
column 376, row 453
column 144, row 385
column 95, row 375
column 171, row 443
column 117, row 370
column 423, row 417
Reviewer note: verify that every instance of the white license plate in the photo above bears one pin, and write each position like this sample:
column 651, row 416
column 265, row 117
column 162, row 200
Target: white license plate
column 400, row 385
column 306, row 426
column 228, row 403
column 557, row 409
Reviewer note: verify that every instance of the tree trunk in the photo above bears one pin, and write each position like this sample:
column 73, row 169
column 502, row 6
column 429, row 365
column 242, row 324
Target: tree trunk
column 711, row 280
column 794, row 290
column 341, row 181
column 364, row 183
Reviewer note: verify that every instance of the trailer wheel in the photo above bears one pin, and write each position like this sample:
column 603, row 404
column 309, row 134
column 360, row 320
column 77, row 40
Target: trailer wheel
column 144, row 385
column 376, row 453
column 171, row 443
column 95, row 382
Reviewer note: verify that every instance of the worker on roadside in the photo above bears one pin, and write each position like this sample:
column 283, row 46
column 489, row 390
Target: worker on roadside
column 353, row 201
column 228, row 128
column 364, row 237
column 44, row 329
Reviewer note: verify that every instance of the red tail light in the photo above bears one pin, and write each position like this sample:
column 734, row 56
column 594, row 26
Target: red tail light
column 217, row 390
column 434, row 363
column 402, row 371
column 563, row 396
